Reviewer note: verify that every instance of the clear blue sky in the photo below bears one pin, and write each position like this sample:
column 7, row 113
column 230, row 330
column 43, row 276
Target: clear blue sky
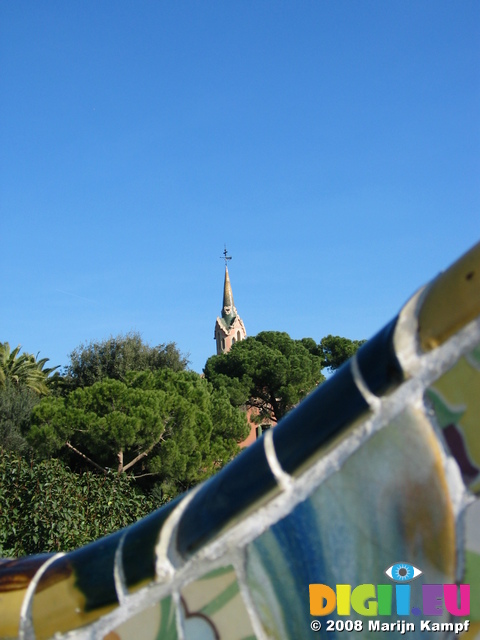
column 333, row 146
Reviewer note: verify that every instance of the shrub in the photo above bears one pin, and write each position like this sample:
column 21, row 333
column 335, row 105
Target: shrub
column 44, row 507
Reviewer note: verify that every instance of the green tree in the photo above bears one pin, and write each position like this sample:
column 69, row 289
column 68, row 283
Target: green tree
column 271, row 372
column 23, row 369
column 111, row 424
column 84, row 506
column 16, row 405
column 202, row 430
column 335, row 350
column 170, row 425
column 115, row 357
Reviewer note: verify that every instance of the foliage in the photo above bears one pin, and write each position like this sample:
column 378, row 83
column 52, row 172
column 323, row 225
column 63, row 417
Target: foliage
column 201, row 433
column 172, row 425
column 336, row 350
column 271, row 372
column 115, row 357
column 23, row 369
column 16, row 404
column 46, row 507
column 109, row 420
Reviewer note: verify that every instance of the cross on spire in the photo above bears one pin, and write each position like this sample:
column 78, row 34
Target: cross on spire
column 225, row 255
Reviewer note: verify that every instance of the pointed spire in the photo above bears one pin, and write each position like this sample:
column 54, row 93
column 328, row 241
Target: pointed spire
column 227, row 292
column 228, row 309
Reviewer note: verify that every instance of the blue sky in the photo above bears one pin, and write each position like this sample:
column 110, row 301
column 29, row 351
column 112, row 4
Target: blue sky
column 333, row 146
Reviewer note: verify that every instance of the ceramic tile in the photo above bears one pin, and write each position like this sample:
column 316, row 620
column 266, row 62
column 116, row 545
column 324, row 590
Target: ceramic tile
column 15, row 576
column 378, row 362
column 455, row 398
column 60, row 605
column 451, row 301
column 388, row 503
column 154, row 623
column 223, row 499
column 212, row 607
column 332, row 407
column 138, row 550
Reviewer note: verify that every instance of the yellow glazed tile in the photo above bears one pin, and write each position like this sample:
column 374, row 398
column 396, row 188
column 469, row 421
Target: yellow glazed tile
column 14, row 580
column 60, row 608
column 10, row 605
column 451, row 302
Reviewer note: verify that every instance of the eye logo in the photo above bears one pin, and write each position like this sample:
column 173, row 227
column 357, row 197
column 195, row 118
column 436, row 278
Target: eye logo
column 402, row 572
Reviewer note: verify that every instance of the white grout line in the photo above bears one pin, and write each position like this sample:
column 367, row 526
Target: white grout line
column 284, row 480
column 118, row 572
column 405, row 336
column 239, row 562
column 371, row 399
column 25, row 626
column 178, row 615
column 165, row 550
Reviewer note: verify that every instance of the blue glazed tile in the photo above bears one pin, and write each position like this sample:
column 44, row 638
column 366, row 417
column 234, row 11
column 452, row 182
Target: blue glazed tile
column 378, row 362
column 97, row 586
column 322, row 415
column 223, row 497
column 138, row 553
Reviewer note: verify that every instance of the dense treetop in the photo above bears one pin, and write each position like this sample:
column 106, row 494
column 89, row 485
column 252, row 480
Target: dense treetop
column 273, row 372
column 335, row 350
column 116, row 356
column 172, row 425
column 270, row 371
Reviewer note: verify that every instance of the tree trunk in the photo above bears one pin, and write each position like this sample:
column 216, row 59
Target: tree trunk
column 141, row 455
column 97, row 466
column 120, row 461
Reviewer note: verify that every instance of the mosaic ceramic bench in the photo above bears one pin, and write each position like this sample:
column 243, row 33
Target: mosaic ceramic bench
column 370, row 481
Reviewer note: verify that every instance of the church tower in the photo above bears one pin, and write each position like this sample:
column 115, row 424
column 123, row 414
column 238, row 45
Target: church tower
column 229, row 328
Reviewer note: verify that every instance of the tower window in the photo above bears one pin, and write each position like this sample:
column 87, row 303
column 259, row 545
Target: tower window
column 233, row 340
column 238, row 336
column 223, row 343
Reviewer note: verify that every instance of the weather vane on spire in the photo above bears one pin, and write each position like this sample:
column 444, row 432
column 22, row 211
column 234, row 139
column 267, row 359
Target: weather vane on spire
column 225, row 255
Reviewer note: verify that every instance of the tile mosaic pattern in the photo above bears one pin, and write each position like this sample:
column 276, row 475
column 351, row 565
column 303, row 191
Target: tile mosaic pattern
column 349, row 525
column 212, row 607
column 380, row 464
column 157, row 621
column 456, row 402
